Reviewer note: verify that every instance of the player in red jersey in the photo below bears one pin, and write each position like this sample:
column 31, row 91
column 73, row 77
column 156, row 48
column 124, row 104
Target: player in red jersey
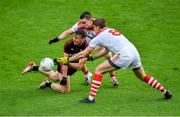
column 71, row 47
column 125, row 56
column 86, row 23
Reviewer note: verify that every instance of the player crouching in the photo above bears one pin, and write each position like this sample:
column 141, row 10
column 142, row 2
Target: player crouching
column 63, row 72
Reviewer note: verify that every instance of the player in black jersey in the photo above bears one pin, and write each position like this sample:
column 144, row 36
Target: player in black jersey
column 71, row 47
column 85, row 22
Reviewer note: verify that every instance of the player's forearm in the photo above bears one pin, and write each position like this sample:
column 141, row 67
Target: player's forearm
column 100, row 54
column 77, row 66
column 65, row 34
column 81, row 54
column 61, row 36
column 75, row 57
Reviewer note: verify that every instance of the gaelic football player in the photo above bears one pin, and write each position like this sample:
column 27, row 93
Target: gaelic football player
column 86, row 23
column 71, row 47
column 125, row 55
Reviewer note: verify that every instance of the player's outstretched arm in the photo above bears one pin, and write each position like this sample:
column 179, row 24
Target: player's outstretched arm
column 101, row 53
column 76, row 57
column 63, row 35
column 79, row 65
column 81, row 54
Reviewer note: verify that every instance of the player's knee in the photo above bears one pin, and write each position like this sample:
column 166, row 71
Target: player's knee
column 140, row 73
column 97, row 70
column 66, row 91
column 62, row 91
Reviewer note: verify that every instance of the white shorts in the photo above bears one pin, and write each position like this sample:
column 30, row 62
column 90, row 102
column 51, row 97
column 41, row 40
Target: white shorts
column 126, row 58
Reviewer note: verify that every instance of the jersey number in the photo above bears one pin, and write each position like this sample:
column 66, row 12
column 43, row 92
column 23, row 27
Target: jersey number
column 114, row 32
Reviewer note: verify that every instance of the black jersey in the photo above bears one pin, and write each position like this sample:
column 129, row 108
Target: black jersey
column 72, row 49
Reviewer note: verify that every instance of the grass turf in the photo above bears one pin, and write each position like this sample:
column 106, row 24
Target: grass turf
column 27, row 25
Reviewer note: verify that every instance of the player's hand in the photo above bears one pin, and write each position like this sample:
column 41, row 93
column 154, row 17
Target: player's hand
column 90, row 58
column 62, row 60
column 54, row 40
column 63, row 81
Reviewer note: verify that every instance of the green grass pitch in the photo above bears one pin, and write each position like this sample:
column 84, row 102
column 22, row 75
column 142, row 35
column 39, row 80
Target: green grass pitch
column 27, row 25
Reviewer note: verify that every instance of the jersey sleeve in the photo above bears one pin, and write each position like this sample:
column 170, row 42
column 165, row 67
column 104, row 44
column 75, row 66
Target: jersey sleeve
column 67, row 46
column 95, row 41
column 75, row 27
column 66, row 50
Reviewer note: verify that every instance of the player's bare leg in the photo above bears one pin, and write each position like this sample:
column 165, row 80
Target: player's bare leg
column 47, row 83
column 51, row 74
column 56, row 86
column 29, row 67
column 64, row 72
column 141, row 74
column 64, row 69
column 61, row 88
column 67, row 87
column 112, row 74
column 33, row 67
column 97, row 79
column 114, row 81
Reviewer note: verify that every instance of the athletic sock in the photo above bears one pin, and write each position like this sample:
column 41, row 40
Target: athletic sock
column 154, row 83
column 88, row 74
column 48, row 84
column 113, row 78
column 96, row 82
column 35, row 68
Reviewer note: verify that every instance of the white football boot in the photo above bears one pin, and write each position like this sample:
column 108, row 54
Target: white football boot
column 43, row 84
column 115, row 82
column 29, row 67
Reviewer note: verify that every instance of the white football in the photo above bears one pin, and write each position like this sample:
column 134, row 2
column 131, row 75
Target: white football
column 47, row 64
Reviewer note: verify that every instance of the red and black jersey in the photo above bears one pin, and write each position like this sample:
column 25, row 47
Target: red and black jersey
column 72, row 49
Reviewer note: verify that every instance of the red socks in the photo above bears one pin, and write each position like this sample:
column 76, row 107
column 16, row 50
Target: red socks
column 96, row 82
column 154, row 83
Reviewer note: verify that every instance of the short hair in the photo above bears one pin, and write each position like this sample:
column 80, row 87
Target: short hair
column 86, row 15
column 100, row 22
column 81, row 32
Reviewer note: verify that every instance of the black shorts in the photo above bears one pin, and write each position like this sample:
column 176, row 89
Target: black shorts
column 70, row 72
